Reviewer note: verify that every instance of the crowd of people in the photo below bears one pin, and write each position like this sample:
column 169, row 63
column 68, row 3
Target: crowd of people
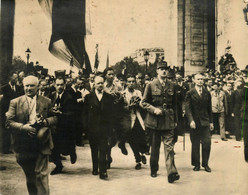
column 44, row 118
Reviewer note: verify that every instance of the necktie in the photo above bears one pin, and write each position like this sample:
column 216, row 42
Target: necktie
column 13, row 87
column 200, row 91
column 163, row 84
column 58, row 101
column 32, row 111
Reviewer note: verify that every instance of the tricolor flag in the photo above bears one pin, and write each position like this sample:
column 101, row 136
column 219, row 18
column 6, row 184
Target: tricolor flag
column 70, row 24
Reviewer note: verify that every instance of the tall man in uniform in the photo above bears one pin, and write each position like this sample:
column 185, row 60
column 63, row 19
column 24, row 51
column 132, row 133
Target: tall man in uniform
column 29, row 120
column 199, row 113
column 160, row 101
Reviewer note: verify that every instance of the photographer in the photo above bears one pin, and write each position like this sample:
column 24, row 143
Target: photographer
column 29, row 119
column 133, row 122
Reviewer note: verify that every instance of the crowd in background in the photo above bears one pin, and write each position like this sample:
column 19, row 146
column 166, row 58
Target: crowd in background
column 226, row 92
column 80, row 116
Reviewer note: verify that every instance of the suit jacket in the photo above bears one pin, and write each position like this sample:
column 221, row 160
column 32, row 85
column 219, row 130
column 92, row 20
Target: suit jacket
column 199, row 108
column 229, row 98
column 18, row 115
column 130, row 115
column 164, row 98
column 8, row 94
column 99, row 116
column 237, row 101
column 65, row 120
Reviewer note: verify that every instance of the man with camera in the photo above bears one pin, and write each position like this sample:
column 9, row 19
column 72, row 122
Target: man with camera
column 29, row 119
column 64, row 134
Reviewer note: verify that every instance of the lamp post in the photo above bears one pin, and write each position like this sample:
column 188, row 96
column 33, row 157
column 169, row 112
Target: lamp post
column 245, row 10
column 28, row 54
column 146, row 58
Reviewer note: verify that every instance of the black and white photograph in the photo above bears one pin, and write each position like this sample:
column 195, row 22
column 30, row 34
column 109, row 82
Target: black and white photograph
column 123, row 97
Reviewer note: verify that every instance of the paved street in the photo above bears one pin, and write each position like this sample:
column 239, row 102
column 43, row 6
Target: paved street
column 229, row 174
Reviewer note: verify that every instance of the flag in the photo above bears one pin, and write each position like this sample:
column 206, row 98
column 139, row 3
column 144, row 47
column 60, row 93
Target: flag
column 68, row 30
column 96, row 58
column 107, row 62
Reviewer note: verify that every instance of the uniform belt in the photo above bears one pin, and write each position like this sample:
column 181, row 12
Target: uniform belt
column 165, row 106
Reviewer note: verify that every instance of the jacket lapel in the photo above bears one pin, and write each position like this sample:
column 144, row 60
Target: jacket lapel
column 197, row 96
column 38, row 105
column 158, row 84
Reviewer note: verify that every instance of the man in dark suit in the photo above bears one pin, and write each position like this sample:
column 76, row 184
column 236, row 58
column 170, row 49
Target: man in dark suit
column 228, row 117
column 199, row 114
column 44, row 90
column 29, row 119
column 9, row 91
column 74, row 91
column 99, row 123
column 160, row 101
column 64, row 135
column 237, row 105
column 244, row 116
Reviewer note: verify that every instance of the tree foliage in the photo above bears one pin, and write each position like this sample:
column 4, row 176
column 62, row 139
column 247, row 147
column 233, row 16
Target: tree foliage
column 132, row 67
column 18, row 64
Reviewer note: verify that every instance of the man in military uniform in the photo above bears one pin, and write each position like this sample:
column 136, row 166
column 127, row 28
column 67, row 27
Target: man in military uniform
column 160, row 101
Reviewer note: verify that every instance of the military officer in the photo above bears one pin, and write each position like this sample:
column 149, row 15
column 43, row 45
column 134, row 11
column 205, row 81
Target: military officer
column 160, row 101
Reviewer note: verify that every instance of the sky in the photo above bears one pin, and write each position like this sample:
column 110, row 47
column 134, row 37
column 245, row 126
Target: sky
column 119, row 28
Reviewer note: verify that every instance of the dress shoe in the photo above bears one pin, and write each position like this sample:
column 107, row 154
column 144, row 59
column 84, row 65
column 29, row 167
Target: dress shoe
column 196, row 168
column 73, row 158
column 173, row 177
column 138, row 166
column 153, row 174
column 207, row 168
column 56, row 170
column 143, row 159
column 103, row 175
column 123, row 148
column 224, row 139
column 94, row 172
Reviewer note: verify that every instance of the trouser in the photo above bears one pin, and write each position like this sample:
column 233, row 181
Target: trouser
column 36, row 172
column 99, row 148
column 220, row 122
column 245, row 134
column 229, row 124
column 167, row 138
column 238, row 126
column 200, row 135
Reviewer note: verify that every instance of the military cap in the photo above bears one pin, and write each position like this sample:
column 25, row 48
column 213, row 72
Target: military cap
column 162, row 64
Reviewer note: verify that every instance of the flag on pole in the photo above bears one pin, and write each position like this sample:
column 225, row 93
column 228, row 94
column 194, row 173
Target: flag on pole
column 68, row 30
column 107, row 62
column 96, row 59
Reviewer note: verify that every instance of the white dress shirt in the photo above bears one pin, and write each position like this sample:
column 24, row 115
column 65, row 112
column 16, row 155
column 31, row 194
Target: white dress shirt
column 99, row 95
column 32, row 109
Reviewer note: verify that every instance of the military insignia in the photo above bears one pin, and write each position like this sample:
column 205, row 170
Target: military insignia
column 170, row 92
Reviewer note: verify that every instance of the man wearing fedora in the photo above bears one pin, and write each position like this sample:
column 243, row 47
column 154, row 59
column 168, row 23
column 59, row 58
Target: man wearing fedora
column 160, row 101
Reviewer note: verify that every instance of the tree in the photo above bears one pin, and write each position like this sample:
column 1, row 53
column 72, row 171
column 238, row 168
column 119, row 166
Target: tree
column 132, row 67
column 18, row 64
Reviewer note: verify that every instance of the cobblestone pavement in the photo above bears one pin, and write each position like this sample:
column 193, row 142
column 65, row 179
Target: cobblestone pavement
column 229, row 174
